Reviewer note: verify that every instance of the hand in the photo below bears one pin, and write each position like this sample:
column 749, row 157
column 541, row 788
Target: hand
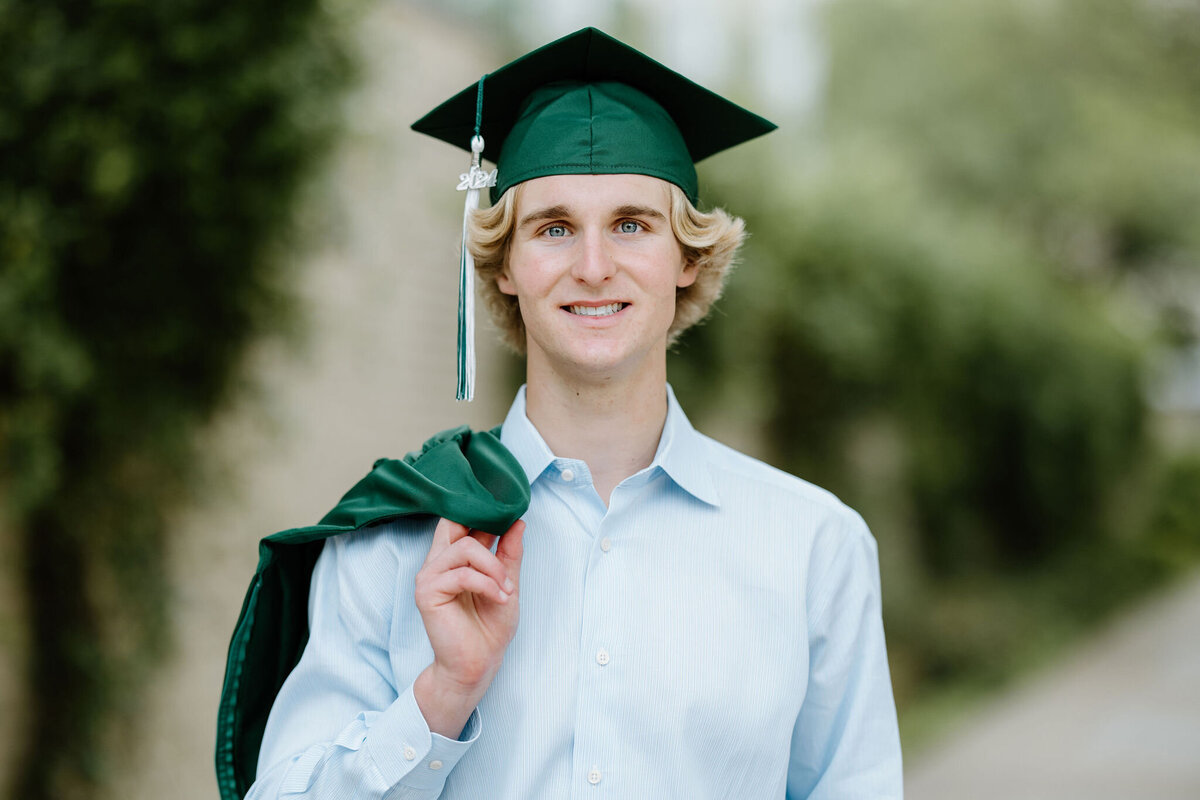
column 468, row 599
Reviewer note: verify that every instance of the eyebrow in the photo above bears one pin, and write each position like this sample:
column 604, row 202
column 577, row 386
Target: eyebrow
column 550, row 212
column 639, row 211
column 561, row 211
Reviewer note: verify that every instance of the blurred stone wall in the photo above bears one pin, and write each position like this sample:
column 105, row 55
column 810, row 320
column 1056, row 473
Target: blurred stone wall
column 374, row 376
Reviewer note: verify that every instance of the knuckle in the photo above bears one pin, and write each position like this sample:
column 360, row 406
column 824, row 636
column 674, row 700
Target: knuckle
column 468, row 543
column 471, row 551
column 422, row 580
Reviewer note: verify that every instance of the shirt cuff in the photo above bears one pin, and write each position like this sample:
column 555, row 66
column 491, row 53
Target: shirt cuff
column 406, row 751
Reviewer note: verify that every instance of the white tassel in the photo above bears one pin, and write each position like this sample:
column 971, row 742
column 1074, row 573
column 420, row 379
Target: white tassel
column 472, row 181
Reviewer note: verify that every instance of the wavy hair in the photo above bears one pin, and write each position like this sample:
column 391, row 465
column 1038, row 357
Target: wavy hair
column 710, row 240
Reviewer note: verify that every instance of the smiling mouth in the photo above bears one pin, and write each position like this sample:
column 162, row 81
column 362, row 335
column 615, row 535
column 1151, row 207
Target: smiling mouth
column 596, row 311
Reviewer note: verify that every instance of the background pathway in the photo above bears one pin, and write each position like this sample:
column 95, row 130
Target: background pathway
column 1118, row 719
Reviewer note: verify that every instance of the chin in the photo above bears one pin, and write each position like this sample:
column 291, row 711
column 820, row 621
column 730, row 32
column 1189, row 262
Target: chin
column 601, row 364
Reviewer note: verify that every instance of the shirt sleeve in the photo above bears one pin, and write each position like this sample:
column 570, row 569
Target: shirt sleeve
column 846, row 741
column 340, row 728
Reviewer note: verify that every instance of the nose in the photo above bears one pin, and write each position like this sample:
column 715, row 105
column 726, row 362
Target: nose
column 594, row 263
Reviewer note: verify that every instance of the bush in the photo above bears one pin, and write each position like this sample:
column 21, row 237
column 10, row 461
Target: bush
column 150, row 157
column 960, row 274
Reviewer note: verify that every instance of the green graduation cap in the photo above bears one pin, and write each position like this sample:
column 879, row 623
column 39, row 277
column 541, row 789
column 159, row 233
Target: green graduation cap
column 589, row 104
column 584, row 104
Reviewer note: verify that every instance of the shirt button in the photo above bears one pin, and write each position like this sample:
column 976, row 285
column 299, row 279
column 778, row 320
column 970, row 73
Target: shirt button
column 606, row 544
column 568, row 475
column 409, row 753
column 435, row 765
column 594, row 776
column 602, row 657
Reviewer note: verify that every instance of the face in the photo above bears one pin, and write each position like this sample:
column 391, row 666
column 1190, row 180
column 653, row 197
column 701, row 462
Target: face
column 594, row 265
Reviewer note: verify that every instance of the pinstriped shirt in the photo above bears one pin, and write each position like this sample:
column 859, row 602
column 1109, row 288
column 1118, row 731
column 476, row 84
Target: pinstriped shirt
column 714, row 632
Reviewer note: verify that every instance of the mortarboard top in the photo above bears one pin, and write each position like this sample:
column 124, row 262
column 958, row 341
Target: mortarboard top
column 590, row 104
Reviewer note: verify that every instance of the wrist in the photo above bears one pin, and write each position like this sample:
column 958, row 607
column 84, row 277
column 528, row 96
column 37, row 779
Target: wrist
column 447, row 702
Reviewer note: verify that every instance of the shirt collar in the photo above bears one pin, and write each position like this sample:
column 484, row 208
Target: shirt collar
column 524, row 441
column 682, row 452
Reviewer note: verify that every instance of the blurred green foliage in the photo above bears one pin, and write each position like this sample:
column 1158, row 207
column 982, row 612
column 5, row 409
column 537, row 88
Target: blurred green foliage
column 960, row 277
column 150, row 156
column 1173, row 536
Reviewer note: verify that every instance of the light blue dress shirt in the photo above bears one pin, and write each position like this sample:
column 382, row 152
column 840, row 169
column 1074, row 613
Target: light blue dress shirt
column 714, row 632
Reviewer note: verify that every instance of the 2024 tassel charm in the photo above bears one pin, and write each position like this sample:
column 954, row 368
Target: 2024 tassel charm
column 472, row 181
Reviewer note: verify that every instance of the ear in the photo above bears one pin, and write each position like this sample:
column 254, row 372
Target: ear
column 504, row 282
column 687, row 276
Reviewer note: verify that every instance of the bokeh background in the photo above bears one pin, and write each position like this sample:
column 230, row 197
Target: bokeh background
column 970, row 306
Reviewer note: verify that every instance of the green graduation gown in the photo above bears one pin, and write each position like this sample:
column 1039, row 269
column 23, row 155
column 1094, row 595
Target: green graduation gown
column 467, row 477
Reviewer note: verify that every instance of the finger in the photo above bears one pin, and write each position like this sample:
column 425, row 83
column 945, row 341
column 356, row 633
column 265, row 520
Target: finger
column 484, row 538
column 511, row 549
column 445, row 534
column 469, row 552
column 450, row 585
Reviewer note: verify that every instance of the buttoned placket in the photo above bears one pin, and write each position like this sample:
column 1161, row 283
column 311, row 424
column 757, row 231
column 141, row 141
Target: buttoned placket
column 599, row 645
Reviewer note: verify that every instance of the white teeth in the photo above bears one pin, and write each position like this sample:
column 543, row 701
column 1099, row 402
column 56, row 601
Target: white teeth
column 596, row 311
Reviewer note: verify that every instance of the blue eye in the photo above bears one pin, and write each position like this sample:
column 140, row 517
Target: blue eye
column 629, row 226
column 556, row 231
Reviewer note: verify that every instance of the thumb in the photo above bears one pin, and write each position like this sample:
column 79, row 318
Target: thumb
column 511, row 548
column 445, row 534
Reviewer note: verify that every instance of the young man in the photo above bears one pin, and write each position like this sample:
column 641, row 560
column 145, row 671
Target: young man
column 693, row 623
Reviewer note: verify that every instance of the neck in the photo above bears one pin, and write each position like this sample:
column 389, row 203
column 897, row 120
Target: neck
column 612, row 426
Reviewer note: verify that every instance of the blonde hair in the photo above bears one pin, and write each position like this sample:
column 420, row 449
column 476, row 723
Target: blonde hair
column 710, row 240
